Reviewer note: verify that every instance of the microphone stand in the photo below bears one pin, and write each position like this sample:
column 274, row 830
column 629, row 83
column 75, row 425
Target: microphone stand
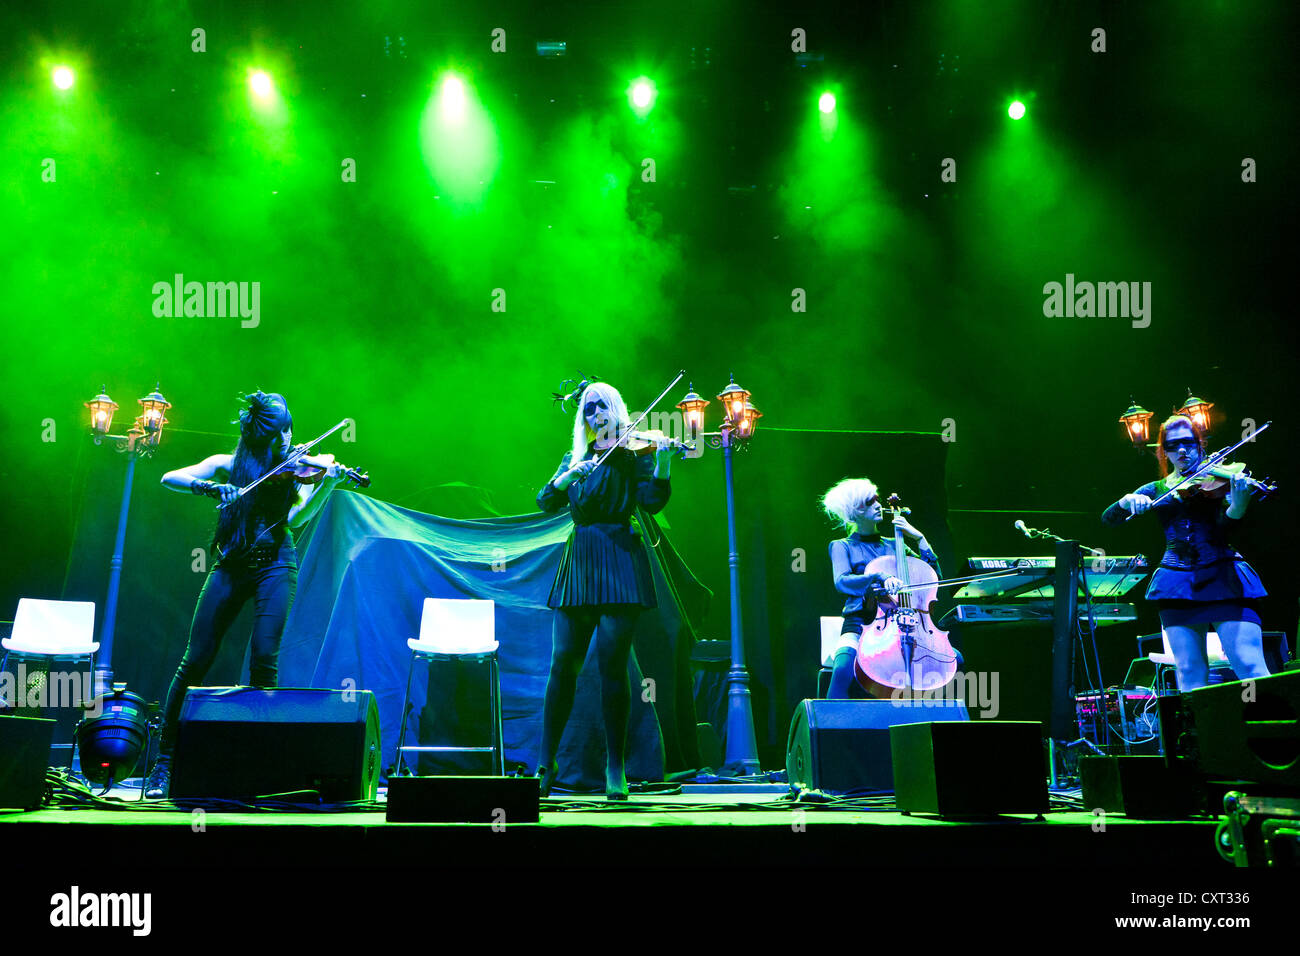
column 1065, row 626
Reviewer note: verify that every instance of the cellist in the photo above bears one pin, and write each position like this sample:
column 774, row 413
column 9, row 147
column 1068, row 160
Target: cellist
column 854, row 504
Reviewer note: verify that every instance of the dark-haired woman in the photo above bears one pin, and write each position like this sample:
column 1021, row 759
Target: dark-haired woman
column 1201, row 580
column 603, row 581
column 253, row 556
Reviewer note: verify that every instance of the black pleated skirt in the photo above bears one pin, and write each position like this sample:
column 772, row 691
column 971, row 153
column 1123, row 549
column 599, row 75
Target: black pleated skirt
column 603, row 564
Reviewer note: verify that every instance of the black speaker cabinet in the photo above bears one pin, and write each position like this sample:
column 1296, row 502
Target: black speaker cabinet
column 1248, row 730
column 246, row 742
column 497, row 800
column 24, row 755
column 843, row 745
column 969, row 768
column 1143, row 787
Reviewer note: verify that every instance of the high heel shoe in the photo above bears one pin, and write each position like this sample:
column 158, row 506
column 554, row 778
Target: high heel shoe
column 616, row 787
column 545, row 780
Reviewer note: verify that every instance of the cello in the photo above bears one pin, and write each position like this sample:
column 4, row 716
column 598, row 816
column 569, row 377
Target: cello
column 902, row 652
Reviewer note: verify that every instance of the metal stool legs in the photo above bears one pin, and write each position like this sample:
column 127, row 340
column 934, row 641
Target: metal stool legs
column 400, row 763
column 498, row 747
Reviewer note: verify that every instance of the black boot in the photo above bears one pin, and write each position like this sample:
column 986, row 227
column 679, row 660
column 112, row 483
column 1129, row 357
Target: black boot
column 615, row 783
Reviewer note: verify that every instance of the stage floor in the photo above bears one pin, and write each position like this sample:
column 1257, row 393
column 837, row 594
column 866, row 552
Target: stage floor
column 703, row 827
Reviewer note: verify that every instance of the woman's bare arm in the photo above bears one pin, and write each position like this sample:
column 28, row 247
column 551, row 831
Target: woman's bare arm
column 212, row 468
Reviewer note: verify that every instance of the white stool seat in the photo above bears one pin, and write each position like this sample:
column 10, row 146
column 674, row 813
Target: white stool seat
column 53, row 629
column 456, row 627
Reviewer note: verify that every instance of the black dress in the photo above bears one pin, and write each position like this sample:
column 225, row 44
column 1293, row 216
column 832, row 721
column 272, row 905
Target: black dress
column 605, row 560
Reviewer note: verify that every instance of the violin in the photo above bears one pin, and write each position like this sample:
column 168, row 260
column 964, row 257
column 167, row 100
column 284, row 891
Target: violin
column 310, row 469
column 1214, row 478
column 1215, row 481
column 647, row 443
column 642, row 442
column 306, row 469
column 902, row 650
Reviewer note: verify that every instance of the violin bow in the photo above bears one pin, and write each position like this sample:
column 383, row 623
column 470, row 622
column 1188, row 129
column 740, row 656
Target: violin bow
column 291, row 460
column 968, row 579
column 640, row 418
column 1210, row 462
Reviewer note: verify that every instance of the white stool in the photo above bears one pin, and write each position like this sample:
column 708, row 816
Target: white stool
column 53, row 631
column 460, row 630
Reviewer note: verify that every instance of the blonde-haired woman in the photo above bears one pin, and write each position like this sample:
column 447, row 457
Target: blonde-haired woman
column 604, row 580
column 854, row 504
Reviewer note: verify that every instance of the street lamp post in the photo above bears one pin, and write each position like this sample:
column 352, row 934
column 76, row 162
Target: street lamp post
column 140, row 440
column 738, row 427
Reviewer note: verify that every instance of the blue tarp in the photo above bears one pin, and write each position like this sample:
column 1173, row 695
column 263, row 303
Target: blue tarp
column 365, row 569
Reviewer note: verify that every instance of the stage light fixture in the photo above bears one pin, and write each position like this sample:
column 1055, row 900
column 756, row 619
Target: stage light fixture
column 452, row 99
column 259, row 81
column 63, row 77
column 112, row 742
column 826, row 103
column 1016, row 110
column 641, row 95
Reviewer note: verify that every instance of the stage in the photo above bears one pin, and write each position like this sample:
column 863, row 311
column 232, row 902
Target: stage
column 705, row 861
column 704, row 826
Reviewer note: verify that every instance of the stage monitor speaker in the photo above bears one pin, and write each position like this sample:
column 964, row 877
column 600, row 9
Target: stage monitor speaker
column 463, row 800
column 1248, row 730
column 248, row 742
column 979, row 768
column 24, row 755
column 843, row 745
column 1142, row 787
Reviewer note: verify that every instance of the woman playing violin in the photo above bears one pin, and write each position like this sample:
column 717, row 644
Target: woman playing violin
column 854, row 503
column 603, row 581
column 1201, row 580
column 253, row 552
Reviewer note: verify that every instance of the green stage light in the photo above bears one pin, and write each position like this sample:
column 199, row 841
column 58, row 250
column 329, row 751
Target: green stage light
column 1016, row 110
column 458, row 139
column 641, row 95
column 452, row 99
column 827, row 102
column 63, row 77
column 259, row 81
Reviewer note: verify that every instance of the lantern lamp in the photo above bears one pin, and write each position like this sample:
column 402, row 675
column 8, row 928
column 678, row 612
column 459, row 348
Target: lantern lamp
column 101, row 412
column 1137, row 425
column 692, row 409
column 733, row 399
column 153, row 417
column 1198, row 410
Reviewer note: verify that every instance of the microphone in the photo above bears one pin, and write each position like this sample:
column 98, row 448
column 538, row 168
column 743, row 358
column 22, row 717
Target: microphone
column 1020, row 526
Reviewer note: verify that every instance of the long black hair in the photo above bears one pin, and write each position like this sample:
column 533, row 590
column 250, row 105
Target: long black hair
column 263, row 418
